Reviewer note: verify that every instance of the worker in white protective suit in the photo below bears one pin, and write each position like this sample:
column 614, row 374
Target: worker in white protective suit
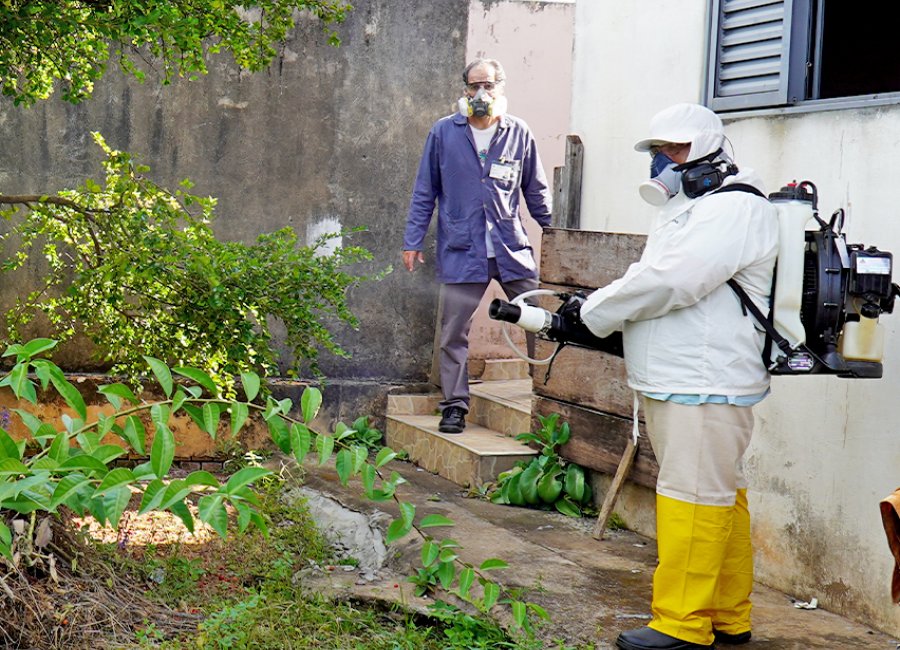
column 694, row 359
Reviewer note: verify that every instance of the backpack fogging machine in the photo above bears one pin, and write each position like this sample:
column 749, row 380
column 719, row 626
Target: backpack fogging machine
column 825, row 303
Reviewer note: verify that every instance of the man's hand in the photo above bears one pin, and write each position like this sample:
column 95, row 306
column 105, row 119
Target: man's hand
column 410, row 257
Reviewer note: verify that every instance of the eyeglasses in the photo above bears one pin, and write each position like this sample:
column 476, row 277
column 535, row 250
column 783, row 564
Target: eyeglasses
column 669, row 148
column 487, row 85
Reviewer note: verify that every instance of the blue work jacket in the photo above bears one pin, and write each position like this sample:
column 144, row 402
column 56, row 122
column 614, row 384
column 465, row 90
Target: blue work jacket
column 468, row 195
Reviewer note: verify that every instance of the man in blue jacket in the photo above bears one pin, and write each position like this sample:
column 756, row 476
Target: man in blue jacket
column 475, row 164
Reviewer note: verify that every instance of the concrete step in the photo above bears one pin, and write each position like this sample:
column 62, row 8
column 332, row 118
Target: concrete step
column 471, row 458
column 501, row 369
column 498, row 411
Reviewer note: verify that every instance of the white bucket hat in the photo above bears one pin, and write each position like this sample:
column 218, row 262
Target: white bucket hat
column 684, row 123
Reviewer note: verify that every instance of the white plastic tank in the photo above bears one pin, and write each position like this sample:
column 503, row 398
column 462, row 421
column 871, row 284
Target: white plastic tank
column 862, row 340
column 795, row 208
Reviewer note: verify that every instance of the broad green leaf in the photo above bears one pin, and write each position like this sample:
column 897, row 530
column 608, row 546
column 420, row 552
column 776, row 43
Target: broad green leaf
column 244, row 513
column 116, row 478
column 430, row 552
column 153, row 496
column 343, row 463
column 134, row 433
column 360, row 454
column 568, row 508
column 491, row 594
column 466, row 578
column 12, row 467
column 212, row 510
column 68, row 486
column 280, row 433
column 300, row 440
column 37, row 346
column 493, row 563
column 59, row 448
column 162, row 374
column 528, row 483
column 310, row 402
column 575, row 482
column 9, row 448
column 179, row 399
column 107, row 453
column 201, row 477
column 244, row 477
column 29, row 420
column 195, row 412
column 368, row 475
column 430, row 521
column 448, row 555
column 239, row 414
column 446, row 573
column 114, row 503
column 22, row 386
column 341, row 431
column 160, row 414
column 175, row 492
column 260, row 523
column 250, row 382
column 6, row 542
column 211, row 414
column 520, row 612
column 324, row 447
column 549, row 488
column 162, row 452
column 540, row 611
column 397, row 530
column 181, row 511
column 86, row 463
column 105, row 424
column 199, row 377
column 115, row 393
column 385, row 456
column 69, row 393
column 143, row 471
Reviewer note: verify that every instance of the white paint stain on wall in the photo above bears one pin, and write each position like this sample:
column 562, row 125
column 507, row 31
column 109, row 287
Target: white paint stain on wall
column 322, row 227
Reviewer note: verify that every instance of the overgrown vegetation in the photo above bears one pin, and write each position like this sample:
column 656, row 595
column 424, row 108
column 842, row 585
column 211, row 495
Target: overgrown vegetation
column 68, row 42
column 139, row 270
column 69, row 468
column 548, row 480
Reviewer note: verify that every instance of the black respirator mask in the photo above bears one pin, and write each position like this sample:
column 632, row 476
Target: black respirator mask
column 700, row 176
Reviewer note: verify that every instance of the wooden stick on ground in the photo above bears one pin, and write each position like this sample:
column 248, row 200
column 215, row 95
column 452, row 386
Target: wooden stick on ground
column 615, row 488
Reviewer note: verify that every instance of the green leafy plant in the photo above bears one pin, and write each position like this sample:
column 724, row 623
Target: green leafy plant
column 69, row 41
column 547, row 480
column 139, row 270
column 362, row 432
column 70, row 467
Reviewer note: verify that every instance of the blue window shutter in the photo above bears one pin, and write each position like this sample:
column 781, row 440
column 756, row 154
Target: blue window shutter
column 758, row 53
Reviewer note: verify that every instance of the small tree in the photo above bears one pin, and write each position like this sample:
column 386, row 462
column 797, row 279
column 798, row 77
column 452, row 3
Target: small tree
column 140, row 271
column 69, row 41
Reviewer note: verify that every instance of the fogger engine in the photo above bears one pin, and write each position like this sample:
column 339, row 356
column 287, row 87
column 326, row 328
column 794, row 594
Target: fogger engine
column 825, row 304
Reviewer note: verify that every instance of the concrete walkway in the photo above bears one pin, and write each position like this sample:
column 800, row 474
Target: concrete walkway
column 592, row 589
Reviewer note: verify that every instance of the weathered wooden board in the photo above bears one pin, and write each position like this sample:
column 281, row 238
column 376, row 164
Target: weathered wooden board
column 599, row 440
column 586, row 258
column 589, row 378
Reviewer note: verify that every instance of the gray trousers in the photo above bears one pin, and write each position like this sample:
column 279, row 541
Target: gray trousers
column 460, row 302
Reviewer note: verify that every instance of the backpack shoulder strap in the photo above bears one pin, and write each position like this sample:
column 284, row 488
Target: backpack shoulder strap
column 741, row 187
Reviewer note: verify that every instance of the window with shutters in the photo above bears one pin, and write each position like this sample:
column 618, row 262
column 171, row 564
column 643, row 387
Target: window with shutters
column 782, row 53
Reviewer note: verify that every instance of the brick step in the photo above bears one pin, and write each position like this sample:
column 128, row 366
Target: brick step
column 472, row 458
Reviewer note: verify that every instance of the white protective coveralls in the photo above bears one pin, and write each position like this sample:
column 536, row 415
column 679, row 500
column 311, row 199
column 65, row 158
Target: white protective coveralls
column 685, row 333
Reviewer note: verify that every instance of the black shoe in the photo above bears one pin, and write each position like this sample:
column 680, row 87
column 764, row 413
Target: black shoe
column 453, row 420
column 732, row 639
column 647, row 638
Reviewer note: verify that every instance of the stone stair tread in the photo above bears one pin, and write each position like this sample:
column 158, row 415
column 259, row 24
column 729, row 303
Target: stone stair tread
column 475, row 438
column 514, row 393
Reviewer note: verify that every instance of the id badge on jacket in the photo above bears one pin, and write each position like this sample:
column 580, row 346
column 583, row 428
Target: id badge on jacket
column 505, row 170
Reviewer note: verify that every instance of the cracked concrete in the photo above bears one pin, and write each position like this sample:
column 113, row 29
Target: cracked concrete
column 591, row 589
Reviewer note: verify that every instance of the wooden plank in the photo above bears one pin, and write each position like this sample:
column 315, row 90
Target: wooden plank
column 587, row 259
column 589, row 378
column 567, row 186
column 599, row 440
column 615, row 489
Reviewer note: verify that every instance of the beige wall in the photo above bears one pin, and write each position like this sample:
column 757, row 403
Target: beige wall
column 825, row 450
column 533, row 41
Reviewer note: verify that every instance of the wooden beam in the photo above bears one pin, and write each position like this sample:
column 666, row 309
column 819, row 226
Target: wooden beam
column 615, row 489
column 567, row 186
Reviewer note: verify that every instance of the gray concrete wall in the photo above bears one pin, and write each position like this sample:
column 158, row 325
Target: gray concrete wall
column 328, row 137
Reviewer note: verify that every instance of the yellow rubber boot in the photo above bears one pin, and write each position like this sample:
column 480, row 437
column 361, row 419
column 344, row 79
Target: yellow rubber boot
column 692, row 540
column 732, row 609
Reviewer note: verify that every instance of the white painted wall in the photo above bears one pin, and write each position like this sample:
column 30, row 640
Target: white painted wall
column 533, row 41
column 825, row 450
